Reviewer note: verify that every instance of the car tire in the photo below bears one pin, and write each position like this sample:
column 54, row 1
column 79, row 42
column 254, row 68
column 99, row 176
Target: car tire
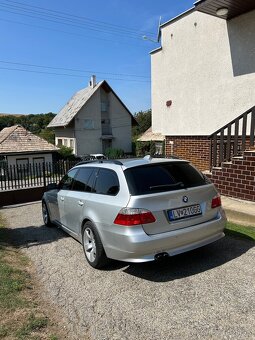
column 93, row 247
column 45, row 215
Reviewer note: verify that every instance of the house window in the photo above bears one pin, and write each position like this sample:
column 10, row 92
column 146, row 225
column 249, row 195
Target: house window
column 22, row 165
column 104, row 106
column 59, row 142
column 22, row 161
column 38, row 160
column 65, row 142
column 71, row 143
column 88, row 124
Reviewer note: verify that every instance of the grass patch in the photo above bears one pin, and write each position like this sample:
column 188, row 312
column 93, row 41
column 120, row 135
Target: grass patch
column 12, row 282
column 22, row 315
column 34, row 324
column 240, row 231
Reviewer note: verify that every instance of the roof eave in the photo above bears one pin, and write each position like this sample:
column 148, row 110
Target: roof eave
column 178, row 17
column 234, row 8
column 9, row 153
column 156, row 50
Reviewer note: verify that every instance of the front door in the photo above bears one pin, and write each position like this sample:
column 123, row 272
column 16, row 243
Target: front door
column 106, row 144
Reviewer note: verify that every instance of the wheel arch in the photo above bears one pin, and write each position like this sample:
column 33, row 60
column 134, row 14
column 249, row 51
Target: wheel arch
column 85, row 220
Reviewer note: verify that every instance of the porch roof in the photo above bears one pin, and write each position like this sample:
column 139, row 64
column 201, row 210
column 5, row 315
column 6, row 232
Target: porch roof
column 148, row 136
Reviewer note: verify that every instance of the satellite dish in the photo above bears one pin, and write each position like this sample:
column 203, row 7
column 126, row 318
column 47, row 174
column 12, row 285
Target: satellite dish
column 159, row 29
column 145, row 37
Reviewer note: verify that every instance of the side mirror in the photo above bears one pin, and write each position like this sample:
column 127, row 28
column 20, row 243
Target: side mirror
column 52, row 186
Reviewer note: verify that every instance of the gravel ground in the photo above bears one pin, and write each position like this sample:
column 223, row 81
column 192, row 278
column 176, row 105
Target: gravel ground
column 205, row 294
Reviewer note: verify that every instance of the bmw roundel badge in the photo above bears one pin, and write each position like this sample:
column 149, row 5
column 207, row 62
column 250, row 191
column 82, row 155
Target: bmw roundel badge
column 185, row 199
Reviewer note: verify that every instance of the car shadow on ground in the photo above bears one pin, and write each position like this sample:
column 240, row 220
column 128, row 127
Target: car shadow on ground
column 25, row 237
column 193, row 262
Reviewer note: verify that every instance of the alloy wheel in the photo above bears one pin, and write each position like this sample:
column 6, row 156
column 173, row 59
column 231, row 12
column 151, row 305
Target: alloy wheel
column 90, row 245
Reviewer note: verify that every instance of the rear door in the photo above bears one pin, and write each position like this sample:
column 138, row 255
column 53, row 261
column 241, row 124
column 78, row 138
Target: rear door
column 106, row 200
column 65, row 186
column 76, row 199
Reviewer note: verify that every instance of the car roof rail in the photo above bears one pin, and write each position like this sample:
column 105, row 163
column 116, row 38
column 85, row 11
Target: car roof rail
column 100, row 161
column 149, row 157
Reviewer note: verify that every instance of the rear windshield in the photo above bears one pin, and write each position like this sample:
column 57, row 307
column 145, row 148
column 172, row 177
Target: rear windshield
column 154, row 178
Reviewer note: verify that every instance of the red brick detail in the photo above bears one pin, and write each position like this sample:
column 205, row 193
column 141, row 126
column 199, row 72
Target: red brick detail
column 236, row 179
column 195, row 149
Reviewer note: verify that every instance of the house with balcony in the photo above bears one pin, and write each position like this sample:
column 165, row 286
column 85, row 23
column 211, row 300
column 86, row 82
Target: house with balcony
column 203, row 88
column 93, row 120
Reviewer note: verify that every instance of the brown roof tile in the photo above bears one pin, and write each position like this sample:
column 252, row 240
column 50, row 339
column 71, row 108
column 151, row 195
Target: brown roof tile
column 16, row 139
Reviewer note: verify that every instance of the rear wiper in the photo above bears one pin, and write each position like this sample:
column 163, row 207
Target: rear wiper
column 165, row 186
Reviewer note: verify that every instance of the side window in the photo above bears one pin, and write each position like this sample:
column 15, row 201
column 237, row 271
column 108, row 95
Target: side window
column 67, row 181
column 107, row 182
column 81, row 182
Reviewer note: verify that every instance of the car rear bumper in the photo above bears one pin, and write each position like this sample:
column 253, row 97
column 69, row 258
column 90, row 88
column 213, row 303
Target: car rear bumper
column 132, row 244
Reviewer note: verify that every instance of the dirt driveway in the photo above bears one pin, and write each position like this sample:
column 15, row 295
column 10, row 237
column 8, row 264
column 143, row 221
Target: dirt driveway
column 205, row 294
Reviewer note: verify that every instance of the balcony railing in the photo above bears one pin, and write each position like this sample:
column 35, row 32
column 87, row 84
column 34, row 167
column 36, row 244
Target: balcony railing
column 233, row 138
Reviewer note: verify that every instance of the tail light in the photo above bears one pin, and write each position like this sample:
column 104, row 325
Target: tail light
column 131, row 217
column 216, row 202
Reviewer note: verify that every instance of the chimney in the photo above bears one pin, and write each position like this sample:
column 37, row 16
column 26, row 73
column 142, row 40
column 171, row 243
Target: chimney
column 92, row 82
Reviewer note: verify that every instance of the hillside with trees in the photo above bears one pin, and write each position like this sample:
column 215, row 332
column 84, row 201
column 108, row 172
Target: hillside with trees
column 36, row 123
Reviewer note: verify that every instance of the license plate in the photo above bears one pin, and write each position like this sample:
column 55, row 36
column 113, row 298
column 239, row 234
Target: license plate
column 185, row 212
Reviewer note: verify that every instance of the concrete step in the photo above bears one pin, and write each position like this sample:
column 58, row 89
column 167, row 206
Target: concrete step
column 239, row 211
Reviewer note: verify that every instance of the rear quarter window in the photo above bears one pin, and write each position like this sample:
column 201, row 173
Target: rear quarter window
column 107, row 182
column 162, row 177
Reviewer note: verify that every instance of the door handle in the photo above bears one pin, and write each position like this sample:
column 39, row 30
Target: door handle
column 81, row 203
column 62, row 198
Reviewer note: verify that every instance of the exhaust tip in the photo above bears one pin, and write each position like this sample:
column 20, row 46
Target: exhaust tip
column 161, row 256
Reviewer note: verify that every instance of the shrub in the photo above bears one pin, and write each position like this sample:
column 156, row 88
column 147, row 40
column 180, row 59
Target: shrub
column 114, row 153
column 66, row 153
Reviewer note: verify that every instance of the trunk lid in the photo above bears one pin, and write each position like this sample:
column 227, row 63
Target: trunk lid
column 172, row 209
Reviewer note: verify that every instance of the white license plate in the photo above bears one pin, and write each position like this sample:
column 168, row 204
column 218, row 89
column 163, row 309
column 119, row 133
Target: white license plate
column 185, row 212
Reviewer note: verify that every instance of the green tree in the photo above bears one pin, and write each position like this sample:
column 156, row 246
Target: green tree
column 36, row 124
column 66, row 152
column 144, row 120
column 48, row 135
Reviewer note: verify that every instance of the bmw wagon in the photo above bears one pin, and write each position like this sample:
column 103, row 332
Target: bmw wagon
column 135, row 210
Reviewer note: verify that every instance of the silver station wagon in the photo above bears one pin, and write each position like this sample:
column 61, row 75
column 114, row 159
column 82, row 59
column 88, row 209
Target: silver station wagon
column 135, row 210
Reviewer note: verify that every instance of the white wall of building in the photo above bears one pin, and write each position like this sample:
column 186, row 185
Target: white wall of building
column 207, row 69
column 88, row 127
column 29, row 158
column 121, row 125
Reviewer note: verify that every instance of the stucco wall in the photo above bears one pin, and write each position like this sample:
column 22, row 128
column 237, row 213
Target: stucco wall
column 67, row 132
column 121, row 125
column 201, row 69
column 88, row 138
column 12, row 159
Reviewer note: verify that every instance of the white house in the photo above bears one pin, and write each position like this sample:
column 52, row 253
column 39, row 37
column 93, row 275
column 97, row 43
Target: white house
column 93, row 120
column 21, row 147
column 203, row 75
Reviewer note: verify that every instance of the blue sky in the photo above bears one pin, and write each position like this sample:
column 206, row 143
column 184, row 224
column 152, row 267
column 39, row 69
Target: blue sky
column 68, row 41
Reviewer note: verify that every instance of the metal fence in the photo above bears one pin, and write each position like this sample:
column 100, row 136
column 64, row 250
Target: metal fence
column 33, row 175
